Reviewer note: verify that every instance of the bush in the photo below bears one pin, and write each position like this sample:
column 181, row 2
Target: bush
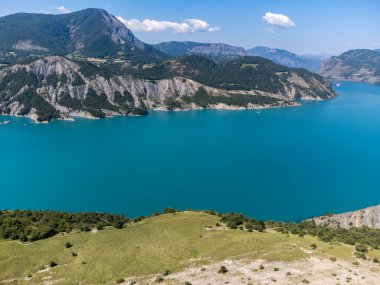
column 36, row 225
column 169, row 211
column 313, row 246
column 118, row 224
column 187, row 283
column 360, row 255
column 333, row 259
column 120, row 280
column 361, row 248
column 159, row 279
column 53, row 264
column 68, row 245
column 167, row 272
column 222, row 270
column 74, row 254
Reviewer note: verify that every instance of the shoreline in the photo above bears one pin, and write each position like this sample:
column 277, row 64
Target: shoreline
column 222, row 107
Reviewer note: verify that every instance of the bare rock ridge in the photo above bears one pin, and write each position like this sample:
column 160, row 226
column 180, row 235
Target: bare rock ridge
column 368, row 217
column 56, row 87
column 354, row 65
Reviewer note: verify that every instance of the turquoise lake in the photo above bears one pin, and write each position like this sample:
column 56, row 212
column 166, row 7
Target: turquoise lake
column 281, row 164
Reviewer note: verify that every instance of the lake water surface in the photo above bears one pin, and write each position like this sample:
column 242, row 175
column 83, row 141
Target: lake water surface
column 281, row 164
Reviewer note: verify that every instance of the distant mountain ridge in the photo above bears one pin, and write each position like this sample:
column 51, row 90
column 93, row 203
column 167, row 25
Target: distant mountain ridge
column 217, row 51
column 222, row 52
column 286, row 58
column 354, row 65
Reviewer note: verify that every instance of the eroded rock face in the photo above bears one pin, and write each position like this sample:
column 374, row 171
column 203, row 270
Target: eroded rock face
column 368, row 217
column 355, row 65
column 55, row 87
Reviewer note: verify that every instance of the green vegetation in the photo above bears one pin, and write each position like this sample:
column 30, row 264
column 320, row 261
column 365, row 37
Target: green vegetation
column 37, row 225
column 164, row 242
column 160, row 245
column 51, row 35
column 29, row 99
column 223, row 270
column 203, row 99
column 71, row 103
column 361, row 236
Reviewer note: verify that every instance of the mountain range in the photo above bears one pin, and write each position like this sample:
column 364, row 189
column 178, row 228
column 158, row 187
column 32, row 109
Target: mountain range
column 91, row 32
column 287, row 58
column 221, row 52
column 89, row 64
column 354, row 65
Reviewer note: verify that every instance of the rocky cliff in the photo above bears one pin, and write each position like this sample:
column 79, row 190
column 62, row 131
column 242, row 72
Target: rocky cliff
column 55, row 87
column 369, row 217
column 354, row 65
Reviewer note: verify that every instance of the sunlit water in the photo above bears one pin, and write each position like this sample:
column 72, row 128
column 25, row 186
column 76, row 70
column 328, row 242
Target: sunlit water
column 281, row 164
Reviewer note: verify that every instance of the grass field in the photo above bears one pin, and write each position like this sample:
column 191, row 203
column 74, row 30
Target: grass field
column 166, row 242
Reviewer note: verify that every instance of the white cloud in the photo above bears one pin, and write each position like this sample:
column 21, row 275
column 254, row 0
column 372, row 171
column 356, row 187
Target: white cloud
column 184, row 27
column 63, row 10
column 278, row 20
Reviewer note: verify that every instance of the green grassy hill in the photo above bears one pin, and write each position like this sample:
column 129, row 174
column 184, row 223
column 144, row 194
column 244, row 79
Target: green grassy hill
column 170, row 242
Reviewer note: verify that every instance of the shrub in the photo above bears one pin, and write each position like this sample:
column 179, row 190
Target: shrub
column 222, row 270
column 53, row 264
column 167, row 272
column 68, row 245
column 276, row 269
column 159, row 279
column 120, row 280
column 187, row 283
column 333, row 259
column 360, row 255
column 361, row 248
column 313, row 246
column 169, row 211
column 74, row 254
column 118, row 224
column 375, row 260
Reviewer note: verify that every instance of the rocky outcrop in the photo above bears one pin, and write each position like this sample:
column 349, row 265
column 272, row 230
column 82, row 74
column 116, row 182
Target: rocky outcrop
column 55, row 87
column 368, row 217
column 354, row 65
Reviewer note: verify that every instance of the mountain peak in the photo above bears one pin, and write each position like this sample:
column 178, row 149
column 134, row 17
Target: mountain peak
column 90, row 32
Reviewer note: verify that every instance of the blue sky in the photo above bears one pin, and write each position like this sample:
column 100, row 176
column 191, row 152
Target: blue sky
column 311, row 26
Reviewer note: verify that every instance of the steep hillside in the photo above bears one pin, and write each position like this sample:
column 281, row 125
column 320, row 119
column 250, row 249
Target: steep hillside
column 286, row 58
column 90, row 32
column 354, row 65
column 56, row 87
column 369, row 217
